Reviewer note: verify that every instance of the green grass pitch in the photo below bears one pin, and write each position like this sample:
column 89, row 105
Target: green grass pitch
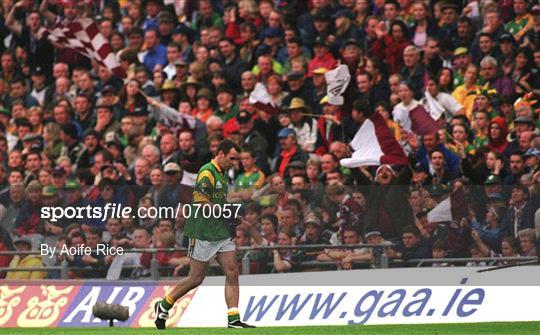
column 491, row 328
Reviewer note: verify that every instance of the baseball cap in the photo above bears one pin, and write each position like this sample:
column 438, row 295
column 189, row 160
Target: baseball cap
column 319, row 41
column 324, row 100
column 182, row 29
column 91, row 132
column 388, row 166
column 108, row 89
column 107, row 107
column 506, row 38
column 351, row 41
column 165, row 16
column 320, row 70
column 171, row 167
column 419, row 167
column 23, row 239
column 435, row 190
column 460, row 51
column 38, row 71
column 312, row 220
column 296, row 165
column 532, row 152
column 243, row 117
column 373, row 233
column 180, row 62
column 30, row 137
column 321, row 15
column 524, row 119
column 139, row 111
column 493, row 180
column 111, row 137
column 286, row 132
column 448, row 5
column 295, row 75
column 343, row 13
column 49, row 191
column 271, row 33
column 5, row 111
column 423, row 212
column 58, row 172
column 72, row 184
column 108, row 166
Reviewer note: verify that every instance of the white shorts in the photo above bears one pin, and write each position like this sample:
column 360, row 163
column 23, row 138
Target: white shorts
column 202, row 251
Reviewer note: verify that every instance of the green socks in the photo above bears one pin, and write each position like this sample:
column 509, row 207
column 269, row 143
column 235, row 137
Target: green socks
column 233, row 314
column 167, row 302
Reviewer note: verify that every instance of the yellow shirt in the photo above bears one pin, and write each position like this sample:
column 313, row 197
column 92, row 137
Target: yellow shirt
column 461, row 94
column 30, row 261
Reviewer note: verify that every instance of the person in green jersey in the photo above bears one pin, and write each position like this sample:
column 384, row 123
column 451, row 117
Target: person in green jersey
column 250, row 180
column 210, row 236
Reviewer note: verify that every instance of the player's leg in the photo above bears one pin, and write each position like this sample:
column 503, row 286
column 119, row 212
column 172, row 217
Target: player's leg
column 199, row 255
column 227, row 261
column 195, row 278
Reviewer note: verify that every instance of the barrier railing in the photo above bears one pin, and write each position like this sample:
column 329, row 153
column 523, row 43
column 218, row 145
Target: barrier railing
column 381, row 259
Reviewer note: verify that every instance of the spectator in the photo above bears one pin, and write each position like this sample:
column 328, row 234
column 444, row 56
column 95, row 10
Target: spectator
column 285, row 260
column 527, row 238
column 491, row 232
column 24, row 260
column 439, row 250
column 411, row 246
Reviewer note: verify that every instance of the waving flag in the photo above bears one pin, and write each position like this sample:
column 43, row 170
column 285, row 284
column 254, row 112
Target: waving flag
column 260, row 99
column 337, row 81
column 84, row 37
column 422, row 122
column 452, row 208
column 374, row 144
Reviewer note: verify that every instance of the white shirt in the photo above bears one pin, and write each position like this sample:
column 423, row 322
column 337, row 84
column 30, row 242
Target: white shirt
column 401, row 114
column 306, row 135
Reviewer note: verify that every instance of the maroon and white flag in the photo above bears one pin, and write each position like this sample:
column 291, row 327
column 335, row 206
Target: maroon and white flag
column 374, row 144
column 452, row 208
column 422, row 122
column 84, row 37
column 260, row 98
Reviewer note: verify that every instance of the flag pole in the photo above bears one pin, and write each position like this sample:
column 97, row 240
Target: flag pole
column 312, row 115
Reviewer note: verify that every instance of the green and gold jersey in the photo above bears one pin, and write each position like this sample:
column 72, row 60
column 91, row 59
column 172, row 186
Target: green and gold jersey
column 210, row 189
column 520, row 26
column 250, row 180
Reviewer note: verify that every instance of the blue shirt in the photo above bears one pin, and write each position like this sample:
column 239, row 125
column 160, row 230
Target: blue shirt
column 158, row 55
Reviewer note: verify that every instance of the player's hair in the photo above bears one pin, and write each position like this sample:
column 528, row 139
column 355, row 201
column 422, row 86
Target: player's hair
column 226, row 146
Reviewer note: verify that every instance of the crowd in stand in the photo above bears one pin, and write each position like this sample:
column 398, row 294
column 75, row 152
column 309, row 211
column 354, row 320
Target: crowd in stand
column 73, row 134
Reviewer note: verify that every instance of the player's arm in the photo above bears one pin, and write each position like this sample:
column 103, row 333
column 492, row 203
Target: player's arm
column 204, row 188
